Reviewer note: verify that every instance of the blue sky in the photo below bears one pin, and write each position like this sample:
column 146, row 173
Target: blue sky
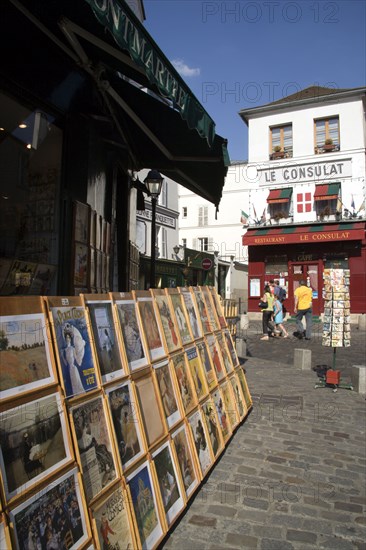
column 239, row 54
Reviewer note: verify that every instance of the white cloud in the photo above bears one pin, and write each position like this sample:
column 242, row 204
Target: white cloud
column 183, row 69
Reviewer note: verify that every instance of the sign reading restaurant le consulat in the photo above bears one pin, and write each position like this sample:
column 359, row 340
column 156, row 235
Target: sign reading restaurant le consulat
column 311, row 172
column 305, row 237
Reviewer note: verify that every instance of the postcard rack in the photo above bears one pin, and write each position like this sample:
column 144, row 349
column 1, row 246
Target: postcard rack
column 113, row 408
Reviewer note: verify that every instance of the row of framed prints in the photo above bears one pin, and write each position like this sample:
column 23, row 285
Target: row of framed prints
column 100, row 447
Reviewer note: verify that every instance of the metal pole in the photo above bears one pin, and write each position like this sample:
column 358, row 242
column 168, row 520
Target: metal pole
column 153, row 243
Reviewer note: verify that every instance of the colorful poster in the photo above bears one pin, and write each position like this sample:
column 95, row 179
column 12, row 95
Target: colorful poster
column 135, row 352
column 200, row 441
column 112, row 522
column 167, row 393
column 198, row 377
column 168, row 482
column 185, row 460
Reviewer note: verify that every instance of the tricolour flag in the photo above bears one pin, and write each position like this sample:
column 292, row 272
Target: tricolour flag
column 255, row 213
column 244, row 217
column 353, row 203
column 263, row 218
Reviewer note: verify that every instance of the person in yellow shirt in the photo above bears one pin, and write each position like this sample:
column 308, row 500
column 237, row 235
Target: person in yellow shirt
column 303, row 296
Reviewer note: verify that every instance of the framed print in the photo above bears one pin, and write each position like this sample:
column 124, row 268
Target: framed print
column 73, row 346
column 94, row 446
column 25, row 355
column 195, row 367
column 19, row 278
column 131, row 333
column 218, row 307
column 112, row 521
column 216, row 356
column 81, row 265
column 239, row 398
column 170, row 329
column 202, row 309
column 98, row 232
column 183, row 381
column 92, row 227
column 185, row 460
column 244, row 388
column 150, row 410
column 213, row 426
column 81, row 222
column 192, row 314
column 167, row 393
column 231, row 348
column 168, row 480
column 199, row 434
column 100, row 311
column 145, row 507
column 126, row 423
column 229, row 403
column 222, row 414
column 180, row 315
column 64, row 529
column 153, row 337
column 34, row 443
column 206, row 364
column 226, row 357
column 214, row 324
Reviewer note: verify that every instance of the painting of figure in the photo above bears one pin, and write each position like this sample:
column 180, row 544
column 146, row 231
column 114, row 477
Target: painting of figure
column 168, row 482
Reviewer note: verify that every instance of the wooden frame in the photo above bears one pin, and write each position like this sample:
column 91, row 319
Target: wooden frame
column 35, row 443
column 81, row 222
column 231, row 347
column 201, row 441
column 106, row 339
column 81, row 265
column 213, row 427
column 111, row 519
column 215, row 354
column 229, row 400
column 222, row 415
column 196, row 370
column 218, row 307
column 167, row 321
column 149, row 529
column 168, row 393
column 191, row 313
column 212, row 317
column 26, row 360
column 35, row 507
column 93, row 443
column 225, row 354
column 5, row 541
column 152, row 332
column 238, row 395
column 180, row 315
column 183, row 381
column 186, row 460
column 203, row 316
column 168, row 481
column 73, row 345
column 152, row 415
column 130, row 326
column 126, row 422
column 207, row 365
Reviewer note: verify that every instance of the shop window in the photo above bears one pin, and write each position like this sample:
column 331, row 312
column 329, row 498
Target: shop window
column 202, row 216
column 303, row 202
column 326, row 132
column 281, row 142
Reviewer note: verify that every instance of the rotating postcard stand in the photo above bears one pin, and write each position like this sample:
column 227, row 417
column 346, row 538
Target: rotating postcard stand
column 336, row 325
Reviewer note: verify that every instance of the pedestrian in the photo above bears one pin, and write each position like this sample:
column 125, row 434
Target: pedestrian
column 278, row 317
column 280, row 291
column 272, row 285
column 303, row 308
column 267, row 313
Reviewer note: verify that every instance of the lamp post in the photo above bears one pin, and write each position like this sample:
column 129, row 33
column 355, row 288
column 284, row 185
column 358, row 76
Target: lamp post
column 153, row 182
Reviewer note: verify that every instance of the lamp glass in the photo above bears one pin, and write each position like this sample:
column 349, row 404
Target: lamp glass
column 153, row 182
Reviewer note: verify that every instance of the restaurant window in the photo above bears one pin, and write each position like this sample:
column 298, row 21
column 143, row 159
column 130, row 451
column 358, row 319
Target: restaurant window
column 326, row 136
column 202, row 216
column 327, row 199
column 279, row 201
column 303, row 202
column 281, row 142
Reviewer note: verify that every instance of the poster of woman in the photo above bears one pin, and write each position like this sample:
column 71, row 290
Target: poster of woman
column 151, row 328
column 34, row 443
column 185, row 460
column 210, row 308
column 230, row 345
column 206, row 363
column 202, row 309
column 230, row 404
column 224, row 353
column 212, row 425
column 218, row 308
column 239, row 399
column 74, row 348
column 180, row 317
column 222, row 415
column 167, row 393
column 183, row 381
column 191, row 313
column 216, row 356
column 131, row 334
column 168, row 482
column 170, row 330
column 201, row 441
column 195, row 367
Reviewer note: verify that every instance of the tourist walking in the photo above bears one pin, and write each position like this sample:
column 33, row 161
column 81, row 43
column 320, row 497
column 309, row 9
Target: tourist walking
column 267, row 313
column 303, row 296
column 278, row 317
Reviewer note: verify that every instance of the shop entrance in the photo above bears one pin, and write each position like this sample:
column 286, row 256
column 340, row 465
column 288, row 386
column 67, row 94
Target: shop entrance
column 312, row 273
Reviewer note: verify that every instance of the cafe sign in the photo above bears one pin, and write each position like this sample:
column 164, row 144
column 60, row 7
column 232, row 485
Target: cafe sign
column 311, row 172
column 303, row 238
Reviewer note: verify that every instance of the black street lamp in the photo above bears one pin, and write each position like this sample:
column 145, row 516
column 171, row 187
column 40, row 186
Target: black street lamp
column 153, row 182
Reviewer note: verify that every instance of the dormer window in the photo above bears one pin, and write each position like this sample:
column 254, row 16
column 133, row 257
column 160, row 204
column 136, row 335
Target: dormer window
column 280, row 142
column 326, row 135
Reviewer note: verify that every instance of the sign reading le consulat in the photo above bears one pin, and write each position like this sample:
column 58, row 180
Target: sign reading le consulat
column 317, row 171
column 303, row 237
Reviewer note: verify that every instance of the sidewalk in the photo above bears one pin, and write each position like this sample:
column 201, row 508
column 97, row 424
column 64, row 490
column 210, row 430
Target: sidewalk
column 293, row 474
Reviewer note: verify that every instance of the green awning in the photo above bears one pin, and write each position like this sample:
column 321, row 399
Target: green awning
column 326, row 191
column 279, row 195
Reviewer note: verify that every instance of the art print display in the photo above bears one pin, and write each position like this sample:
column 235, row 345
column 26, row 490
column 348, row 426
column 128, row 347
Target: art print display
column 167, row 393
column 131, row 332
column 229, row 403
column 336, row 331
column 207, row 365
column 184, row 383
column 52, row 518
column 231, row 348
column 105, row 338
column 170, row 330
column 201, row 442
column 214, row 325
column 145, row 506
column 150, row 412
column 199, row 380
column 185, row 460
column 94, row 446
column 112, row 522
column 74, row 349
column 239, row 399
column 218, row 308
column 244, row 388
column 24, row 354
column 213, row 427
column 220, row 339
column 222, row 414
column 81, row 222
column 150, row 325
column 192, row 314
column 203, row 315
column 34, row 443
column 81, row 261
column 180, row 316
column 216, row 357
column 167, row 477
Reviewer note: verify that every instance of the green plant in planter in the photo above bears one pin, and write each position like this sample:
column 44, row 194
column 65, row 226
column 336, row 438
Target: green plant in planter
column 277, row 149
column 328, row 141
column 279, row 215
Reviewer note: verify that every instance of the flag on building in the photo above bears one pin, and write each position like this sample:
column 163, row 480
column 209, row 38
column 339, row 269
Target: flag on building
column 244, row 217
column 255, row 213
column 263, row 218
column 353, row 203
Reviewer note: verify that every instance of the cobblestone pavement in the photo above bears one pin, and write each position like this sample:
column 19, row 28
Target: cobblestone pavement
column 293, row 474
